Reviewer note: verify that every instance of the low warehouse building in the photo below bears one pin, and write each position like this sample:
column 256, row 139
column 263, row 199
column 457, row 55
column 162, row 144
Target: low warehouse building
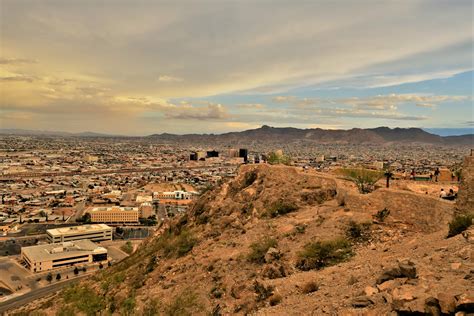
column 51, row 256
column 94, row 232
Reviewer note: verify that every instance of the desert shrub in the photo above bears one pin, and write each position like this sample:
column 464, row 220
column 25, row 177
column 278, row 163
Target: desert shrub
column 260, row 248
column 250, row 178
column 275, row 159
column 183, row 304
column 310, row 287
column 151, row 264
column 151, row 308
column 320, row 254
column 176, row 244
column 66, row 310
column 382, row 215
column 300, row 229
column 263, row 292
column 84, row 299
column 127, row 247
column 364, row 179
column 128, row 305
column 318, row 196
column 280, row 208
column 216, row 292
column 358, row 231
column 460, row 223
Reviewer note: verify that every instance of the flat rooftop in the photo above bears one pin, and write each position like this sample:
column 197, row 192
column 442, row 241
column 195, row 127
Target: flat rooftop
column 58, row 251
column 77, row 229
column 113, row 208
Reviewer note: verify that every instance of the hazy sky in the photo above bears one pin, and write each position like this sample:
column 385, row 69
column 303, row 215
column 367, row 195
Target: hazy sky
column 141, row 67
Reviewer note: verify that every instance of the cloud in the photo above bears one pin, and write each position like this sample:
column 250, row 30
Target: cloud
column 379, row 102
column 149, row 53
column 16, row 61
column 169, row 79
column 252, row 106
column 426, row 105
column 210, row 113
column 18, row 78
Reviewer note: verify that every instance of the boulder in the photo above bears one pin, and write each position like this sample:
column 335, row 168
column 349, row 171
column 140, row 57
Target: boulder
column 369, row 290
column 272, row 255
column 465, row 302
column 447, row 303
column 405, row 269
column 362, row 301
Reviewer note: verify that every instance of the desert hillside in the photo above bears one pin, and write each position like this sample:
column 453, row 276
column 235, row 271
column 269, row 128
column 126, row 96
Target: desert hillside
column 278, row 240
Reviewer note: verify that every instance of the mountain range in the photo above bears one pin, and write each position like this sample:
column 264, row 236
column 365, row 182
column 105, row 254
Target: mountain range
column 377, row 135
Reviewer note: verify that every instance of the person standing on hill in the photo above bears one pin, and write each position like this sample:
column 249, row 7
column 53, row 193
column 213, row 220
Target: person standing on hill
column 436, row 174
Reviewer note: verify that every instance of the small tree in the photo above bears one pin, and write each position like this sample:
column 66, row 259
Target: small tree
column 364, row 179
column 275, row 159
column 49, row 277
column 84, row 269
column 76, row 271
column 58, row 277
column 101, row 265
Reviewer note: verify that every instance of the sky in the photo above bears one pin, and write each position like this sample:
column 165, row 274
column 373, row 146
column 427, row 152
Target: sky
column 144, row 67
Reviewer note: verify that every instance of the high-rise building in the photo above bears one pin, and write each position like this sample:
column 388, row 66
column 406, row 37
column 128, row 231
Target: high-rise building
column 212, row 154
column 244, row 153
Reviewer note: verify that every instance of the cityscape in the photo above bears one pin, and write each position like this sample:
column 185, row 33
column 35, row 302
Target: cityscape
column 236, row 158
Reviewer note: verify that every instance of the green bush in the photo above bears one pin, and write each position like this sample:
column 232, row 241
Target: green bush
column 176, row 245
column 359, row 232
column 320, row 254
column 151, row 308
column 184, row 304
column 274, row 159
column 84, row 299
column 127, row 247
column 128, row 306
column 260, row 248
column 460, row 223
column 280, row 208
column 364, row 179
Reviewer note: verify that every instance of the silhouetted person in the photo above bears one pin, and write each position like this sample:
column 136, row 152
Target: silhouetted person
column 436, row 173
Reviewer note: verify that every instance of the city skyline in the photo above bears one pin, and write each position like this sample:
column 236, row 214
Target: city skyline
column 142, row 68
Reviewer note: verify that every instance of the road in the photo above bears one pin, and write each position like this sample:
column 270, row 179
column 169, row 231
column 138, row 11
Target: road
column 80, row 207
column 36, row 294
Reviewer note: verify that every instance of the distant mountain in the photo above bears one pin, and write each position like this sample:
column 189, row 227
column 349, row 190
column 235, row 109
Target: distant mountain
column 27, row 132
column 450, row 131
column 379, row 135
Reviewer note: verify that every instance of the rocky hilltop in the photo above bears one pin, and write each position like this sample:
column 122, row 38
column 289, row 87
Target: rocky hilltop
column 285, row 135
column 278, row 240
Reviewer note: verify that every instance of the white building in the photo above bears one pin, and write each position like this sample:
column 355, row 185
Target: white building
column 51, row 256
column 94, row 232
column 176, row 195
